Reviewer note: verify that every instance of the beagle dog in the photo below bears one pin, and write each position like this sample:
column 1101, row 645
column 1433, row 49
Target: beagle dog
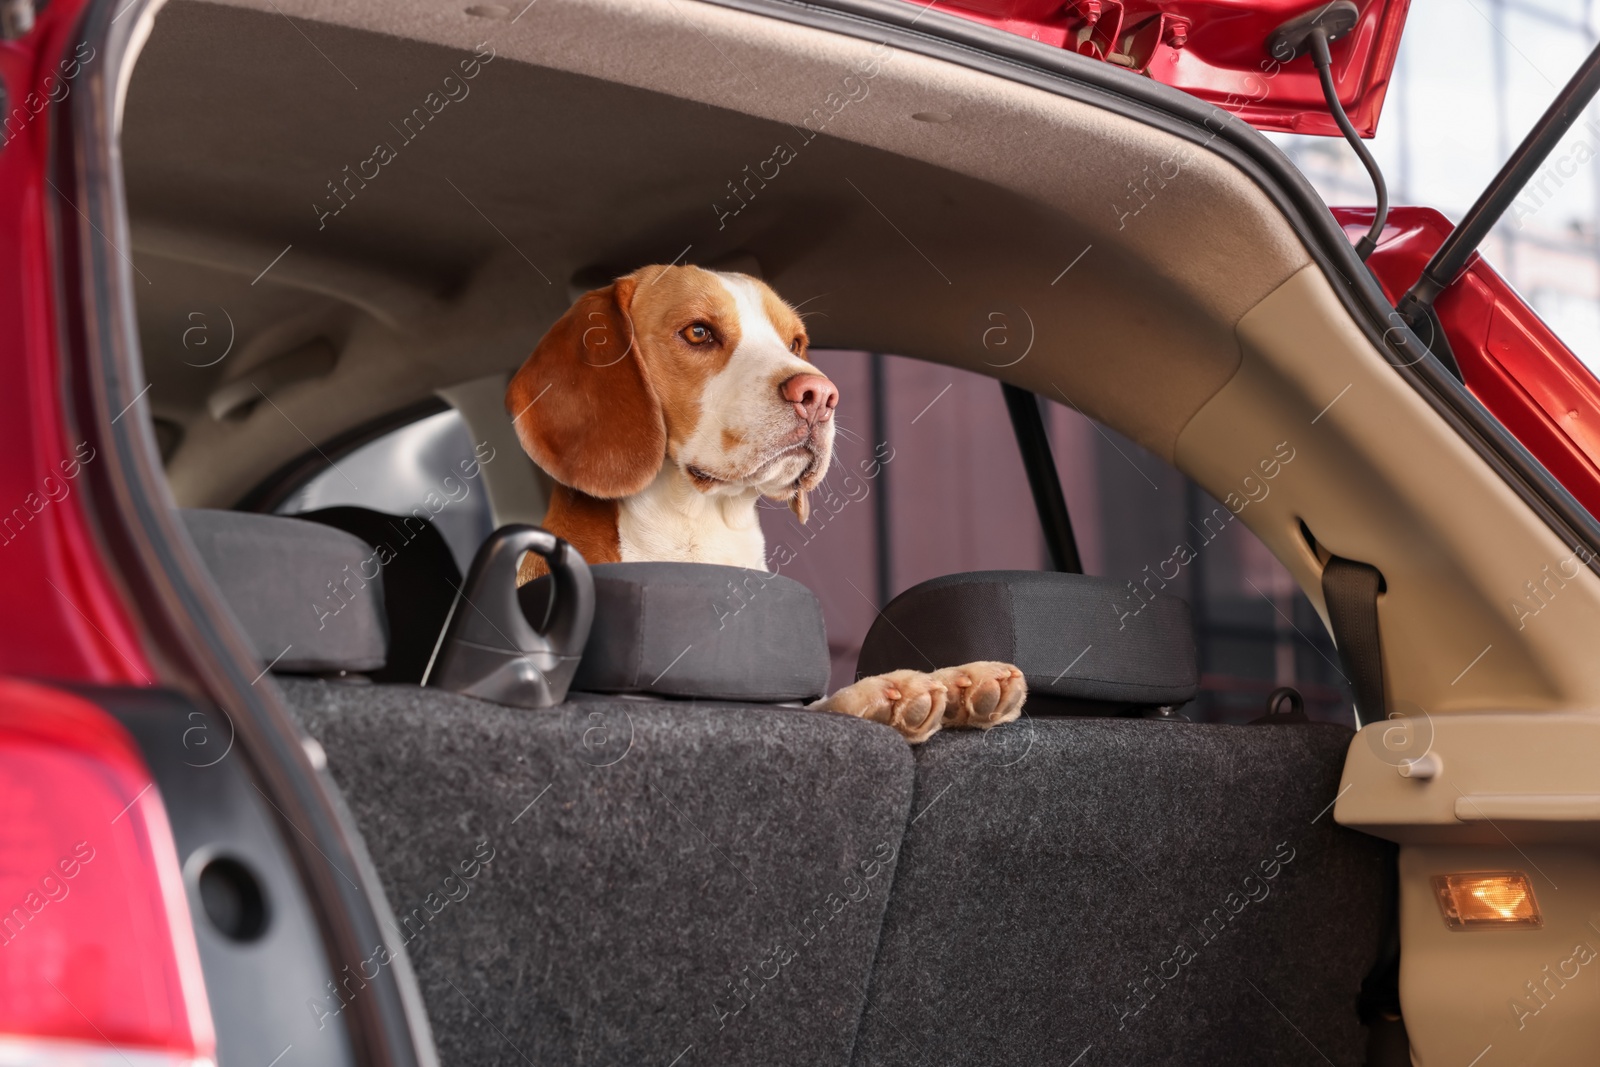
column 665, row 406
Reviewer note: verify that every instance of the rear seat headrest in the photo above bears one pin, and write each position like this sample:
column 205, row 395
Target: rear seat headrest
column 697, row 630
column 310, row 597
column 1074, row 636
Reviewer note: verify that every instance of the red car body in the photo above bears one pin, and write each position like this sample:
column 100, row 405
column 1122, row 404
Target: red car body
column 75, row 624
column 1510, row 360
column 1216, row 50
column 129, row 975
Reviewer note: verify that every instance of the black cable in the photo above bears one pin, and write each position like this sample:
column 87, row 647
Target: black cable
column 1324, row 62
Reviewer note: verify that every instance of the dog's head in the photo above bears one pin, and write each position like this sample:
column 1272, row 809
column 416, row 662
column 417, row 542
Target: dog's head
column 677, row 364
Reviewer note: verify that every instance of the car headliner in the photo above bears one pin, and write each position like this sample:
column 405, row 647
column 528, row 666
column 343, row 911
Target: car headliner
column 905, row 235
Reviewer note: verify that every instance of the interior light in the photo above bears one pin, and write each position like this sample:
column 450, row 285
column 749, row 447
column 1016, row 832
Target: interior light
column 1484, row 900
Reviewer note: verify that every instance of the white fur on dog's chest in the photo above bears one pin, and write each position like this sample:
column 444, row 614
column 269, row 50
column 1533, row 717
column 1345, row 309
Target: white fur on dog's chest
column 673, row 521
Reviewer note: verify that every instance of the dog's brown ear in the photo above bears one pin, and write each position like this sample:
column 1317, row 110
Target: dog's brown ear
column 800, row 504
column 583, row 405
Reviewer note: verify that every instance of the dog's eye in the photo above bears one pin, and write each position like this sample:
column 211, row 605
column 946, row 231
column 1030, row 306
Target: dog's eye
column 698, row 334
column 797, row 344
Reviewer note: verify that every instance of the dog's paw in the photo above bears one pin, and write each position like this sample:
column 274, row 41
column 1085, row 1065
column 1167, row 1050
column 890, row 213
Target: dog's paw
column 910, row 701
column 981, row 695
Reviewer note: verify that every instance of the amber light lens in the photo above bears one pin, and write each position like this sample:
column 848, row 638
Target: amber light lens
column 1487, row 900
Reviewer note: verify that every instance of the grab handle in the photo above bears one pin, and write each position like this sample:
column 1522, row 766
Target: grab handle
column 489, row 650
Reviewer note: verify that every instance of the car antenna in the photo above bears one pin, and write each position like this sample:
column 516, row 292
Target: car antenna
column 1313, row 32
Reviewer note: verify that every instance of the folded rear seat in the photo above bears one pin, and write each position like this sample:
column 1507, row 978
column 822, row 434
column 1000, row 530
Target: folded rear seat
column 620, row 879
column 1136, row 889
column 633, row 879
column 306, row 595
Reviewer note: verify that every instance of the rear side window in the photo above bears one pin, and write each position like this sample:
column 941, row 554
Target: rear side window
column 927, row 481
column 429, row 468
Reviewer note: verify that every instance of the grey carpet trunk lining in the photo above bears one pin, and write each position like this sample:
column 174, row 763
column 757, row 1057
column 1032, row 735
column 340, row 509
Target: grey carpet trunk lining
column 662, row 877
column 1128, row 892
column 650, row 882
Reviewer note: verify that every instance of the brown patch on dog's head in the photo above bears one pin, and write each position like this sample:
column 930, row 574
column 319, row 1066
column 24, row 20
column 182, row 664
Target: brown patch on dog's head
column 673, row 364
column 583, row 405
column 669, row 303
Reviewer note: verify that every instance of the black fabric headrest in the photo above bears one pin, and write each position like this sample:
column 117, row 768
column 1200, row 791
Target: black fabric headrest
column 697, row 630
column 1074, row 636
column 310, row 597
column 420, row 579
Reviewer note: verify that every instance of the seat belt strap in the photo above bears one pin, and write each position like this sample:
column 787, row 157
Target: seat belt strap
column 1350, row 590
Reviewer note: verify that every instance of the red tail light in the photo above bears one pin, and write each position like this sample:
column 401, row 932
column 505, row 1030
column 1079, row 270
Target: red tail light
column 97, row 956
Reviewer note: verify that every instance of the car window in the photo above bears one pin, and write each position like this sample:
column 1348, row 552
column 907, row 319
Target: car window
column 927, row 481
column 419, row 469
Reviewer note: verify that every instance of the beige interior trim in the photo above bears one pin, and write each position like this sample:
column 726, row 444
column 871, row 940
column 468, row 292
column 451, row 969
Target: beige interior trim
column 1533, row 776
column 1501, row 701
column 1380, row 478
column 379, row 371
column 390, row 297
column 1538, row 808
